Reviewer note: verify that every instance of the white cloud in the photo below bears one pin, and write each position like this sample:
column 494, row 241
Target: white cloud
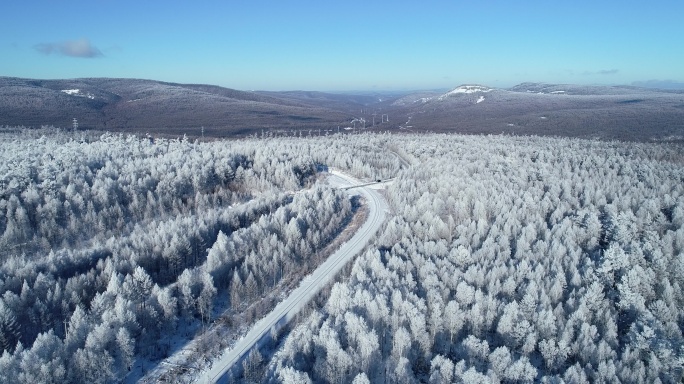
column 602, row 72
column 73, row 48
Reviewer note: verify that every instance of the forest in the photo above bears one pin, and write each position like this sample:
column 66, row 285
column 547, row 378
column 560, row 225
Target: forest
column 503, row 259
column 511, row 259
column 111, row 243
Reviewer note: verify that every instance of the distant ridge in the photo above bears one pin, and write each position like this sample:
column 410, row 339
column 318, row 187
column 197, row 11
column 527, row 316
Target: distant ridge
column 600, row 112
column 142, row 106
column 136, row 105
column 588, row 90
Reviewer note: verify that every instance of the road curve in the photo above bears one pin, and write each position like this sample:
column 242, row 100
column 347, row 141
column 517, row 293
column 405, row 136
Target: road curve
column 309, row 286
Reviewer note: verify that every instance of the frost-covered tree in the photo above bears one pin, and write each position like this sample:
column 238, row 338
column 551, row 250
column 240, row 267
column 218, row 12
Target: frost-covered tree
column 546, row 260
column 107, row 239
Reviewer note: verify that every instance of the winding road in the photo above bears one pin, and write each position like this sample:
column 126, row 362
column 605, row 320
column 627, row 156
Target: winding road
column 311, row 284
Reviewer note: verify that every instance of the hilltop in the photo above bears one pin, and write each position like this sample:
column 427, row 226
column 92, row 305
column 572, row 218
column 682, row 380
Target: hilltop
column 145, row 105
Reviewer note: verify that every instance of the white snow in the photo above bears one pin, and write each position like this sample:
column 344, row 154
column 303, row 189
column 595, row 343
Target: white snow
column 77, row 92
column 481, row 99
column 469, row 89
column 557, row 92
column 466, row 89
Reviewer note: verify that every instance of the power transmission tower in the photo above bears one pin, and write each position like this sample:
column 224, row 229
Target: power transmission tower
column 75, row 124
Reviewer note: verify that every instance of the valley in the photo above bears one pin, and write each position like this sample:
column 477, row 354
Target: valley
column 144, row 106
column 530, row 234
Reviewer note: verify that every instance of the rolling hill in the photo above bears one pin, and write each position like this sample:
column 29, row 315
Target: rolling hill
column 625, row 113
column 132, row 105
column 138, row 106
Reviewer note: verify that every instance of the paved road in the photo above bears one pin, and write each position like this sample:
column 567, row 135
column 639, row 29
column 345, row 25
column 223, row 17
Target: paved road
column 310, row 285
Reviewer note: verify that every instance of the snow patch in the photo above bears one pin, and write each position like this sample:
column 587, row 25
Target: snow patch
column 77, row 92
column 469, row 89
column 466, row 89
column 481, row 99
column 557, row 92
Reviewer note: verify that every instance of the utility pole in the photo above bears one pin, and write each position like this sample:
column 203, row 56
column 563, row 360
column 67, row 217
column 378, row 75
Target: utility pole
column 66, row 331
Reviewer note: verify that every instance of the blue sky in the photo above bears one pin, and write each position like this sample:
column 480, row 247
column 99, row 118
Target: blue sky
column 350, row 45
